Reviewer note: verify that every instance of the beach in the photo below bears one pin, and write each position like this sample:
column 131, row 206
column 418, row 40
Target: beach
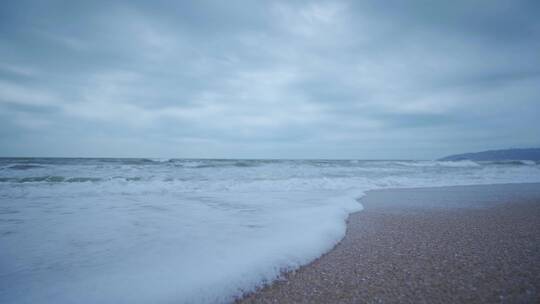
column 209, row 231
column 456, row 244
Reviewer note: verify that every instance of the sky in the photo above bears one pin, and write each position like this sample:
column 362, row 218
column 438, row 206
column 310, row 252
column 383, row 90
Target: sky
column 268, row 79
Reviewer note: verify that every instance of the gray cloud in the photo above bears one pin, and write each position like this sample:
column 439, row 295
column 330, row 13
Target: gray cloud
column 291, row 79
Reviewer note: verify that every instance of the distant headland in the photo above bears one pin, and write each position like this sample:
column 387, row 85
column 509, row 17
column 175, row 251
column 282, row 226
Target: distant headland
column 494, row 155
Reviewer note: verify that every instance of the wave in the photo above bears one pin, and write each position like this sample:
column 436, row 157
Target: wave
column 511, row 162
column 49, row 179
column 78, row 179
column 458, row 164
column 202, row 164
column 24, row 167
column 451, row 164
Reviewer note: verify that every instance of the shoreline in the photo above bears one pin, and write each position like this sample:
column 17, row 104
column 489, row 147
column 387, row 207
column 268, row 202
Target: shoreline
column 476, row 243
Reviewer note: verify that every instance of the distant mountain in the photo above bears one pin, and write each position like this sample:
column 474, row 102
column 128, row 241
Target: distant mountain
column 494, row 155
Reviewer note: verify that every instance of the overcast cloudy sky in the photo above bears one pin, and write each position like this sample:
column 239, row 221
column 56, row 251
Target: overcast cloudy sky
column 268, row 79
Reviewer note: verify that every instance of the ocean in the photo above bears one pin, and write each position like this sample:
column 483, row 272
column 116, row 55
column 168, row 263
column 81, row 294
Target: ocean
column 188, row 230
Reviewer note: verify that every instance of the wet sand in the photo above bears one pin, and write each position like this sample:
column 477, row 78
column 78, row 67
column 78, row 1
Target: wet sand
column 476, row 244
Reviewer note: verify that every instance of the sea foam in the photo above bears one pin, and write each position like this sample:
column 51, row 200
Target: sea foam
column 187, row 231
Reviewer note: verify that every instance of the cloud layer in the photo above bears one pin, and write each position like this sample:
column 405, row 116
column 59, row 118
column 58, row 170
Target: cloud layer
column 270, row 79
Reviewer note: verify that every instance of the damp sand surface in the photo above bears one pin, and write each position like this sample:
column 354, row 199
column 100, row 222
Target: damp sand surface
column 427, row 245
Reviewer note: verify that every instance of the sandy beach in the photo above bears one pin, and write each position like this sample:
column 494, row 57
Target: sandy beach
column 461, row 244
